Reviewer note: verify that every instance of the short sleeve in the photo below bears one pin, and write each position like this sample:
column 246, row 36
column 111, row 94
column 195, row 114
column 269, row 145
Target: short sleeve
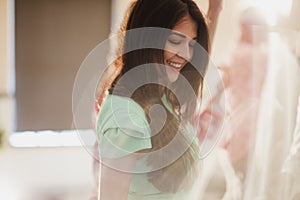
column 122, row 127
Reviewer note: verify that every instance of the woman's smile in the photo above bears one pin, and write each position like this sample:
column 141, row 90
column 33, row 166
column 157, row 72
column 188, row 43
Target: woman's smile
column 177, row 66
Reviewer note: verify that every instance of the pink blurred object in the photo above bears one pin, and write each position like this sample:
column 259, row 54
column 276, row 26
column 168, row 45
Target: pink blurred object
column 243, row 77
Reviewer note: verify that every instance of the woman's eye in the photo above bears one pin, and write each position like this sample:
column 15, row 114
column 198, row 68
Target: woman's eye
column 176, row 42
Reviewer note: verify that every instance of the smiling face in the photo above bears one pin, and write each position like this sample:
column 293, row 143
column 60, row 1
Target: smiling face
column 179, row 47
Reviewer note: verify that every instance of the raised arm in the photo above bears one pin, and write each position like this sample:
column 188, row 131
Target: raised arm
column 214, row 9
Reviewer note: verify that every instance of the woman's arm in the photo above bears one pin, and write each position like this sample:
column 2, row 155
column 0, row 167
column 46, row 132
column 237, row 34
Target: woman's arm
column 214, row 9
column 115, row 183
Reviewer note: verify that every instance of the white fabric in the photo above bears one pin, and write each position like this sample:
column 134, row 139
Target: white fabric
column 292, row 164
column 276, row 123
column 233, row 183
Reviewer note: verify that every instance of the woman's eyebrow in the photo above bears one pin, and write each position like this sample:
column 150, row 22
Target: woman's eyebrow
column 181, row 35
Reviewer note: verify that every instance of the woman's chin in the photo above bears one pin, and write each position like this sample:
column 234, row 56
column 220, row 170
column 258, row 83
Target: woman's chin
column 172, row 75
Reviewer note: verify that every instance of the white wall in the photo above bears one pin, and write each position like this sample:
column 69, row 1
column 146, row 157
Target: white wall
column 38, row 173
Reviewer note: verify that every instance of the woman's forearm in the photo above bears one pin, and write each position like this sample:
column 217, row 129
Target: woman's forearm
column 215, row 7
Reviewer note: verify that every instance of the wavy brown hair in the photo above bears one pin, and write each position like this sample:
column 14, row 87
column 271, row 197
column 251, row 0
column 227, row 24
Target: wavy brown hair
column 163, row 14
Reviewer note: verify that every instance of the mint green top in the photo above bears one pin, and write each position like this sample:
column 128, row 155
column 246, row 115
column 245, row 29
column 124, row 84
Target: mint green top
column 122, row 128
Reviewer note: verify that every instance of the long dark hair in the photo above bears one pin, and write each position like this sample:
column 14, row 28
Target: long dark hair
column 163, row 14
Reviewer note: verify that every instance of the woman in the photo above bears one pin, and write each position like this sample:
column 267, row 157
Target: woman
column 166, row 64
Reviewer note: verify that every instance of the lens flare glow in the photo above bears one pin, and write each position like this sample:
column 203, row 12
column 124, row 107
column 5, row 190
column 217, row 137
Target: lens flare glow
column 274, row 8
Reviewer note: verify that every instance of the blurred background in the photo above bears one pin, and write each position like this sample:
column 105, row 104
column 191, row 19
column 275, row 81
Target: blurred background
column 42, row 44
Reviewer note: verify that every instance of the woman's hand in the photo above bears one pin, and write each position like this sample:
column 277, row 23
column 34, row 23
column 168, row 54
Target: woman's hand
column 209, row 123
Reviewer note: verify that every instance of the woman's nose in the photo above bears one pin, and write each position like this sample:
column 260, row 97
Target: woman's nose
column 185, row 52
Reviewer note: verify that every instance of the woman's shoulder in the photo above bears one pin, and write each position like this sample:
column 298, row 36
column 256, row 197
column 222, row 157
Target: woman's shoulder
column 116, row 103
column 122, row 127
column 121, row 112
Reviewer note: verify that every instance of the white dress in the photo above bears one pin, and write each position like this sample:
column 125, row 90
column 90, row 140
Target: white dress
column 276, row 123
